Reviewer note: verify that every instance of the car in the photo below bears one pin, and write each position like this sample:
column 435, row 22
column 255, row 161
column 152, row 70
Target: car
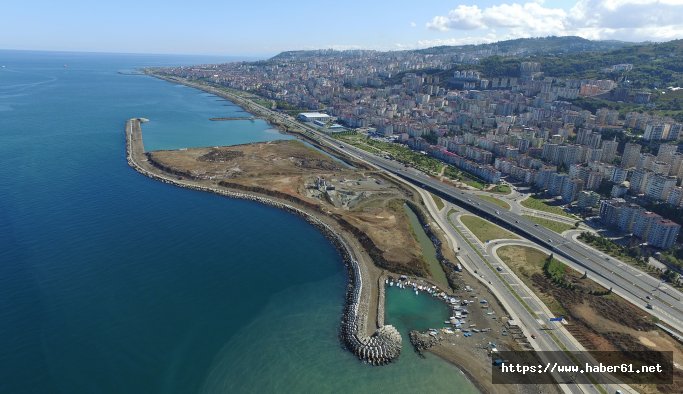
column 648, row 297
column 535, row 225
column 533, row 336
column 497, row 212
column 550, row 240
column 516, row 221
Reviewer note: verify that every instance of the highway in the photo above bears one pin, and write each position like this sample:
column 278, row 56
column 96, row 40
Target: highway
column 626, row 281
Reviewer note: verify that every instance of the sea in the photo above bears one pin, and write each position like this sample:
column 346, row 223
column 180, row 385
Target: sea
column 111, row 282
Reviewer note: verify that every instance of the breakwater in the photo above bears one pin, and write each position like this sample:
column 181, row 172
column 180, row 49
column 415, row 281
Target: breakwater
column 380, row 348
column 252, row 118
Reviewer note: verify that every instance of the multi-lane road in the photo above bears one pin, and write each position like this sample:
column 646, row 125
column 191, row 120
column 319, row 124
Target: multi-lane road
column 628, row 282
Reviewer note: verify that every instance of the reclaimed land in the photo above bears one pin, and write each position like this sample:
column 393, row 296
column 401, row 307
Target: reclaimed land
column 360, row 211
column 365, row 298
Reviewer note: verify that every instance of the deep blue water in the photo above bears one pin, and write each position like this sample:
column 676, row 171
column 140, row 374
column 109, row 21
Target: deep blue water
column 111, row 282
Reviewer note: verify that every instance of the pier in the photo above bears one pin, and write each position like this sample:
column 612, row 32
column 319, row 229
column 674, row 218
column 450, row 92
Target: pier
column 252, row 118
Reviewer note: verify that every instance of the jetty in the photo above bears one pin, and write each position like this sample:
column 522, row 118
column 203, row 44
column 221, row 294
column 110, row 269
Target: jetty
column 379, row 348
column 252, row 118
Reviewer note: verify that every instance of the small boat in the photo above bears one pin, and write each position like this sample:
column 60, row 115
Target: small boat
column 415, row 292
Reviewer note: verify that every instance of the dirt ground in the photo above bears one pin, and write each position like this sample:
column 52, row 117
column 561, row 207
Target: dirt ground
column 364, row 200
column 599, row 321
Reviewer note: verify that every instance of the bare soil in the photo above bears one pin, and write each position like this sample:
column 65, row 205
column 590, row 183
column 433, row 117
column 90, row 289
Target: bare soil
column 599, row 321
column 364, row 200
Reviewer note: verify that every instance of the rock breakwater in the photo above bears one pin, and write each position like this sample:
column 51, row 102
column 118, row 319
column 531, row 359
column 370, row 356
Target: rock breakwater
column 380, row 348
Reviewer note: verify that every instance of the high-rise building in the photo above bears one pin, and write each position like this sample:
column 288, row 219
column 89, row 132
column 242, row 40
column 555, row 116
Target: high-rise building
column 645, row 161
column 659, row 186
column 556, row 183
column 643, row 223
column 610, row 211
column 593, row 180
column 609, row 151
column 663, row 233
column 619, row 174
column 588, row 199
column 675, row 197
column 639, row 179
column 571, row 189
column 676, row 165
column 665, row 152
column 631, row 155
column 661, row 167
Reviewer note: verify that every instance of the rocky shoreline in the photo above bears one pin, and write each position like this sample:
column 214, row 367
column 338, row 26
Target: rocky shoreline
column 380, row 348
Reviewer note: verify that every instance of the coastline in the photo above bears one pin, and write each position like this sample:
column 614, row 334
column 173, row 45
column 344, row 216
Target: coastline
column 375, row 293
column 380, row 348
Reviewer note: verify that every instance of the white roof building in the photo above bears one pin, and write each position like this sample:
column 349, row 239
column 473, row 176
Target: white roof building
column 311, row 116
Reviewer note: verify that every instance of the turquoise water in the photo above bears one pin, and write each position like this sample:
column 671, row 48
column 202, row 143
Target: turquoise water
column 429, row 251
column 111, row 282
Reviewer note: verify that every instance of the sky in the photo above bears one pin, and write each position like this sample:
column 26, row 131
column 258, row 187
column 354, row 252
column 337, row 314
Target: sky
column 266, row 27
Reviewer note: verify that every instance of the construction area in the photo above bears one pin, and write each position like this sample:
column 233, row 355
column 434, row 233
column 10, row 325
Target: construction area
column 361, row 199
column 597, row 318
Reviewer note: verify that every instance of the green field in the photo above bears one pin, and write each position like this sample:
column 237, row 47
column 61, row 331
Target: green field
column 496, row 201
column 539, row 205
column 438, row 201
column 501, row 189
column 556, row 226
column 405, row 155
column 398, row 152
column 485, row 230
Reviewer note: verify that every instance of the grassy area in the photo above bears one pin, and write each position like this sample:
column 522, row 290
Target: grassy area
column 555, row 270
column 501, row 189
column 540, row 205
column 476, row 250
column 438, row 201
column 525, row 262
column 405, row 155
column 399, row 152
column 485, row 230
column 557, row 227
column 610, row 248
column 496, row 201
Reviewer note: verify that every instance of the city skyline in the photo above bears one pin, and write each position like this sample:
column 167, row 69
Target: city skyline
column 215, row 28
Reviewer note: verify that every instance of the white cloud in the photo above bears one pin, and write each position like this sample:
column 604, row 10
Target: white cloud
column 635, row 20
column 462, row 18
column 413, row 24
